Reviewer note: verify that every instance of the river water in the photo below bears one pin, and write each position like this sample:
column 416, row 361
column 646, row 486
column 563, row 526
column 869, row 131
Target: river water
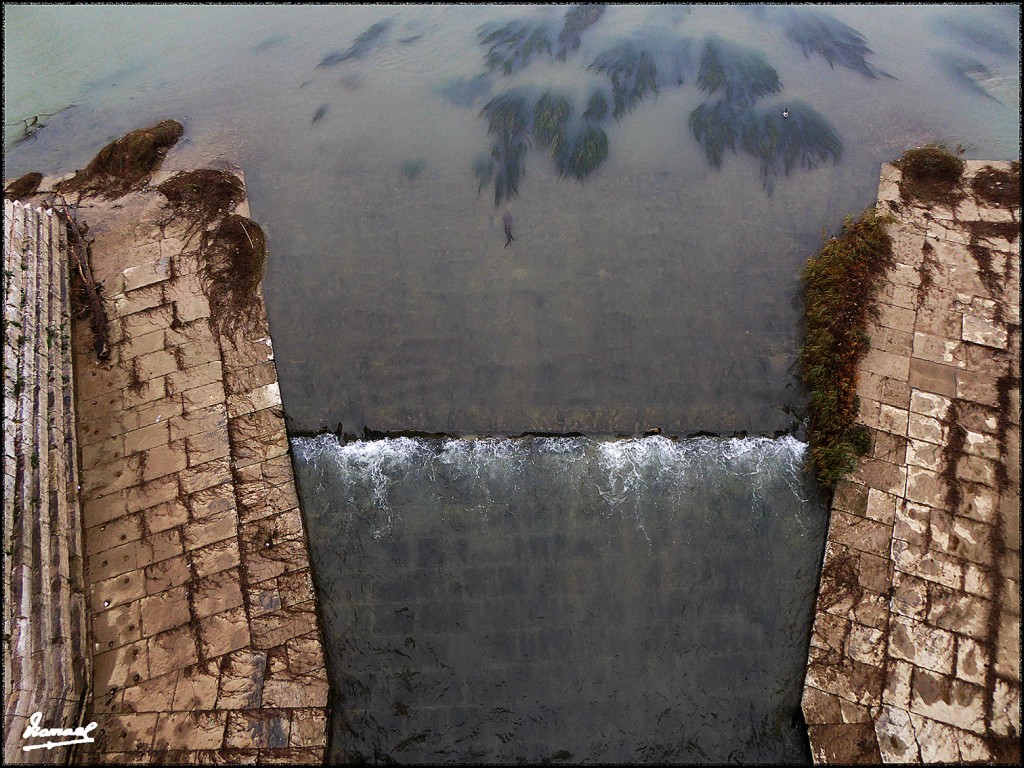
column 658, row 292
column 563, row 599
column 504, row 600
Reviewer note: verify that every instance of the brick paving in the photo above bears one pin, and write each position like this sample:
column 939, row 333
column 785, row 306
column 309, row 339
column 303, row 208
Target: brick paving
column 915, row 653
column 206, row 644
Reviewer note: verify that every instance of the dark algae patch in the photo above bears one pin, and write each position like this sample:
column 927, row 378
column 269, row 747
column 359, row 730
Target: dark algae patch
column 23, row 187
column 931, row 174
column 235, row 256
column 839, row 286
column 997, row 187
column 203, row 195
column 126, row 163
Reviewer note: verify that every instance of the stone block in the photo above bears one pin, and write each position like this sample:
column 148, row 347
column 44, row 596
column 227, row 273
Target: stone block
column 933, row 377
column 892, row 420
column 122, row 733
column 977, row 388
column 121, row 667
column 190, row 730
column 1008, row 647
column 216, row 593
column 308, row 728
column 196, row 688
column 979, row 330
column 932, row 566
column 1006, row 709
column 844, row 743
column 959, row 612
column 165, row 610
column 241, row 681
column 910, row 596
column 860, row 533
column 929, row 404
column 225, row 632
column 972, row 661
column 216, row 557
column 147, row 437
column 886, row 364
column 207, row 446
column 173, row 650
column 948, row 701
column 925, row 487
column 896, row 738
column 258, row 729
column 925, row 455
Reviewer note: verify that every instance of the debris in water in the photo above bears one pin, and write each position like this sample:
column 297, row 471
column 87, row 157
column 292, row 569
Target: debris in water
column 319, row 114
column 507, row 221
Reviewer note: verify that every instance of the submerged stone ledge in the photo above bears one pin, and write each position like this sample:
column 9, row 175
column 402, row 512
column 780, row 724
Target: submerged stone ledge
column 206, row 645
column 915, row 652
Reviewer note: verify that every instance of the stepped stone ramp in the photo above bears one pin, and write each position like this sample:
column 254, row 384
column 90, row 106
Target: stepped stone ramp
column 915, row 652
column 46, row 660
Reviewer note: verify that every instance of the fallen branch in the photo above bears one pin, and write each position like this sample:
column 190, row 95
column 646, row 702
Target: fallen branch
column 81, row 258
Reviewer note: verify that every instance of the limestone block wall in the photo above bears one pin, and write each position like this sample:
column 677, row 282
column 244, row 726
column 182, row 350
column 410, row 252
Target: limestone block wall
column 915, row 654
column 45, row 647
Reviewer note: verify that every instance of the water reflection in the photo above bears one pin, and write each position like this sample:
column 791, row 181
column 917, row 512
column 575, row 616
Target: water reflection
column 541, row 599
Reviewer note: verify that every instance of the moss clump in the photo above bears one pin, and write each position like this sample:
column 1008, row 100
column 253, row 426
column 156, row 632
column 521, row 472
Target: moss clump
column 839, row 284
column 24, row 187
column 126, row 163
column 235, row 257
column 1000, row 188
column 203, row 195
column 931, row 174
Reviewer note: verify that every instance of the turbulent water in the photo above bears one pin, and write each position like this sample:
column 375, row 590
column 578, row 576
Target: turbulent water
column 559, row 598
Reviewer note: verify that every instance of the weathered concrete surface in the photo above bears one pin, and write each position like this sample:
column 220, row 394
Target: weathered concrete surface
column 205, row 638
column 915, row 654
column 45, row 645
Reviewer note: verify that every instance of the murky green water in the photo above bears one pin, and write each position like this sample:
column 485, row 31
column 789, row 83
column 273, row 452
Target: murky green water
column 658, row 292
column 522, row 600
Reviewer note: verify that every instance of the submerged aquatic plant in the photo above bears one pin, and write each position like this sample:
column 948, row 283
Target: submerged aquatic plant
column 974, row 32
column 464, row 91
column 741, row 74
column 632, row 72
column 805, row 139
column 819, row 33
column 586, row 151
column 362, row 45
column 508, row 118
column 970, row 74
column 578, row 19
column 550, row 116
column 512, row 45
column 839, row 296
column 597, row 107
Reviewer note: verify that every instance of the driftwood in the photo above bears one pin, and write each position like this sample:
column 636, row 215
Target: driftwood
column 80, row 252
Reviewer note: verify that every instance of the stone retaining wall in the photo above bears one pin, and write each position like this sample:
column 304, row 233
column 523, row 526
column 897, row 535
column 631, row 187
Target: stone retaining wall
column 45, row 648
column 915, row 654
column 205, row 641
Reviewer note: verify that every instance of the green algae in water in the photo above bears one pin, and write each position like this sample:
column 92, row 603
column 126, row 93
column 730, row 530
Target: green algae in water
column 632, row 72
column 740, row 73
column 508, row 118
column 550, row 116
column 581, row 157
column 362, row 45
column 514, row 44
column 578, row 19
column 821, row 34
